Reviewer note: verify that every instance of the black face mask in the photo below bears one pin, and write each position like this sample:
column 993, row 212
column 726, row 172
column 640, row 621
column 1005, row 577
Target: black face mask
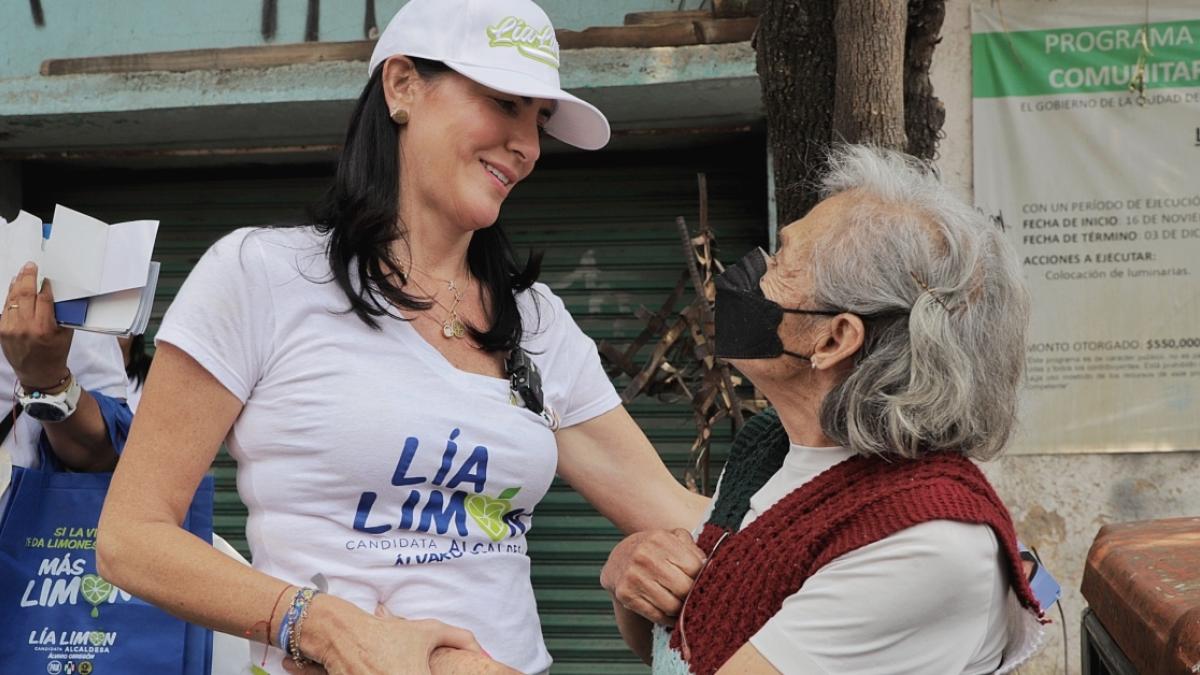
column 747, row 323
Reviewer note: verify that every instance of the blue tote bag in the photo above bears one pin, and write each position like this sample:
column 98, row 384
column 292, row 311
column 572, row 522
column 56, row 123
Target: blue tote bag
column 57, row 615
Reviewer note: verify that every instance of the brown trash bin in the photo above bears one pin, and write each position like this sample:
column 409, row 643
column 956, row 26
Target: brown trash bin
column 1142, row 581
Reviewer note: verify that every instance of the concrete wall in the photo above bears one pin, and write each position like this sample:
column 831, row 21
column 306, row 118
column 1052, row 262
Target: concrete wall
column 77, row 29
column 305, row 105
column 1058, row 501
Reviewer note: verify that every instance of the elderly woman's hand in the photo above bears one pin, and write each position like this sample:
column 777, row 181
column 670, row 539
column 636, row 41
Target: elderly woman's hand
column 34, row 344
column 651, row 572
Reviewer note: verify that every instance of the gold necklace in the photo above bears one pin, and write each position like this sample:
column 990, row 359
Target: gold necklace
column 452, row 324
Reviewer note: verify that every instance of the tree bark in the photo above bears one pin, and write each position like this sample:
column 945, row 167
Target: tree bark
column 796, row 66
column 845, row 70
column 730, row 9
column 924, row 114
column 868, row 104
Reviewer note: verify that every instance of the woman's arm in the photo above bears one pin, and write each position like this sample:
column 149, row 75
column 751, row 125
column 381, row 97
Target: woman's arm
column 142, row 549
column 83, row 441
column 612, row 464
column 141, row 546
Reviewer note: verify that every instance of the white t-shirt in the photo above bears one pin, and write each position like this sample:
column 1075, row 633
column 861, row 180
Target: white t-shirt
column 933, row 598
column 370, row 465
column 95, row 360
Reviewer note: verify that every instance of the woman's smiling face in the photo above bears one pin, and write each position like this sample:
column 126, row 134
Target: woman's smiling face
column 465, row 147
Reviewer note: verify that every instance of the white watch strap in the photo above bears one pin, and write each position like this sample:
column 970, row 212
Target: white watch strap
column 68, row 399
column 73, row 392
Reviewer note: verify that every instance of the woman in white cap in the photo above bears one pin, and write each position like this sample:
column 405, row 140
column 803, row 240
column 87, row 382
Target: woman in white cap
column 397, row 390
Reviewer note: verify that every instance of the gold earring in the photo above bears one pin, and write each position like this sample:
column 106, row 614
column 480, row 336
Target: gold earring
column 400, row 116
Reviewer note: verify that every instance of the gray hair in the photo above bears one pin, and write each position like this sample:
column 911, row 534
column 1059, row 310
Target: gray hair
column 944, row 376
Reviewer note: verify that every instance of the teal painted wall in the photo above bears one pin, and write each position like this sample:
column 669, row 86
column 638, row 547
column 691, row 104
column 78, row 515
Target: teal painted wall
column 75, row 29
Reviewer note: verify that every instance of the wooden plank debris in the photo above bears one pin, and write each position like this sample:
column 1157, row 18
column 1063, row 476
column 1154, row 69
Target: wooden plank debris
column 677, row 34
column 669, row 16
column 213, row 59
column 682, row 364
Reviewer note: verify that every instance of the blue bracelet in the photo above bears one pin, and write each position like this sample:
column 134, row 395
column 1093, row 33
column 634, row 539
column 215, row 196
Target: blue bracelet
column 285, row 626
column 305, row 600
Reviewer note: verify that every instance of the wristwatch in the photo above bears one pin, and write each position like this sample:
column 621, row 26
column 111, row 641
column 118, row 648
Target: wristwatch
column 51, row 407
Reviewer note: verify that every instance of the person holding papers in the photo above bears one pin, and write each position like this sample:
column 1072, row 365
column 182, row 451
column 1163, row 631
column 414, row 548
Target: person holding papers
column 61, row 390
column 68, row 411
column 397, row 389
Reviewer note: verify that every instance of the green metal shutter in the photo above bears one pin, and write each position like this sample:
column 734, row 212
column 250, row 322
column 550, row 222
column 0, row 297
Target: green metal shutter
column 606, row 224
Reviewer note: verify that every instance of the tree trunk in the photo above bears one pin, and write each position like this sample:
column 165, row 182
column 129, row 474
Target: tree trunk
column 924, row 114
column 868, row 100
column 855, row 71
column 796, row 66
column 731, row 9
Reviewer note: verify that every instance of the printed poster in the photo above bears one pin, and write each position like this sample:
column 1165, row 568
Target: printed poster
column 1087, row 147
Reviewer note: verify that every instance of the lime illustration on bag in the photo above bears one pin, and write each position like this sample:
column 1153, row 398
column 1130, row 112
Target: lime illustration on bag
column 489, row 512
column 96, row 591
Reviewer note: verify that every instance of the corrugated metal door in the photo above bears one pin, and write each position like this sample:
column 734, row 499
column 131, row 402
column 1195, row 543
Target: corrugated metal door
column 606, row 223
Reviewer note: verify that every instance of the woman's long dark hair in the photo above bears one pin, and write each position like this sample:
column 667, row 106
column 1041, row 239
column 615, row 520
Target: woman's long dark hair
column 360, row 213
column 139, row 361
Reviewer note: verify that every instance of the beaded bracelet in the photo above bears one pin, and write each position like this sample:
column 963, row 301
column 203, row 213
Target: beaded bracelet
column 285, row 626
column 294, row 623
column 297, row 657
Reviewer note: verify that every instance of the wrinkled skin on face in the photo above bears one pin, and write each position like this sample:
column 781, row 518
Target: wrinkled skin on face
column 788, row 282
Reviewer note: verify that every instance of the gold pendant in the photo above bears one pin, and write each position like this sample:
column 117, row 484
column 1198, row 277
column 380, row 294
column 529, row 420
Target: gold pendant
column 459, row 329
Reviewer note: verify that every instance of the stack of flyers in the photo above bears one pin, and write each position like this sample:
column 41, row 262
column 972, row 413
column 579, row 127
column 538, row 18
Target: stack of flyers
column 101, row 274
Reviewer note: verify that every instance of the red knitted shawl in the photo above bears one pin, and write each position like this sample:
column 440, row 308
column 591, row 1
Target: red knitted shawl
column 857, row 502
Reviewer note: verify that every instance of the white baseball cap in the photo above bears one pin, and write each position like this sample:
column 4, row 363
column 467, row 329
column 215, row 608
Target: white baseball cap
column 507, row 45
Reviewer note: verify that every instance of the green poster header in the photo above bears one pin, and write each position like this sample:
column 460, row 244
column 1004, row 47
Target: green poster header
column 1084, row 60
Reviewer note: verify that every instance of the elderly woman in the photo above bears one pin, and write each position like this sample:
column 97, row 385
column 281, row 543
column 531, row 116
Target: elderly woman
column 852, row 533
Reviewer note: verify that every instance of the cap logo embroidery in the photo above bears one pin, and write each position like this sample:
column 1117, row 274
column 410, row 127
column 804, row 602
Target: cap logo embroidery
column 538, row 44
